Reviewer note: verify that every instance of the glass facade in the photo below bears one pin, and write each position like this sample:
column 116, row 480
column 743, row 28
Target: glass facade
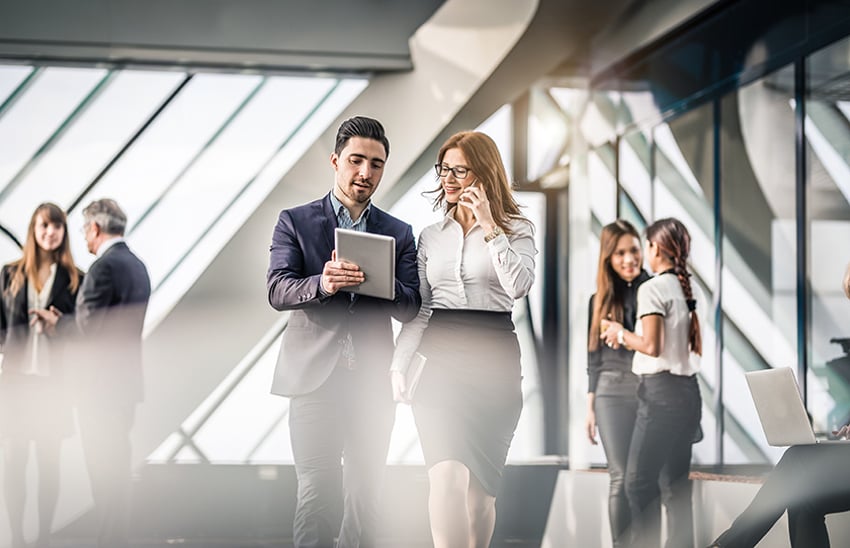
column 189, row 157
column 749, row 148
column 827, row 224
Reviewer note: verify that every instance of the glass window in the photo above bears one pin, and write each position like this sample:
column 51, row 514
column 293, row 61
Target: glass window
column 635, row 170
column 759, row 250
column 683, row 183
column 11, row 76
column 218, row 173
column 599, row 119
column 46, row 105
column 827, row 133
column 547, row 134
column 169, row 146
column 603, row 184
column 87, row 145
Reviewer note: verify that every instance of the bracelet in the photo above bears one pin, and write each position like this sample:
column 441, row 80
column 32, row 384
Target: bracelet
column 620, row 337
column 493, row 235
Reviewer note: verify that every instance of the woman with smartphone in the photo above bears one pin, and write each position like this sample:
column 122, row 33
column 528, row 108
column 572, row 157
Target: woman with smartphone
column 473, row 265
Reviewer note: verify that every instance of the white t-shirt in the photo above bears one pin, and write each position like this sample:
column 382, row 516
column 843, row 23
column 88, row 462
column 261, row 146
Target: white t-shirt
column 663, row 295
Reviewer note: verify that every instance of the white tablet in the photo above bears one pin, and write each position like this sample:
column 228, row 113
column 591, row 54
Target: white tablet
column 375, row 255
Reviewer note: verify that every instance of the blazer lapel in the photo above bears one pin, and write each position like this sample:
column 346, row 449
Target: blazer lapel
column 328, row 222
column 60, row 283
column 376, row 221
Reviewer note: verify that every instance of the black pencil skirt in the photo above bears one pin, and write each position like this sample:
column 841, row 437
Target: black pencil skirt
column 469, row 399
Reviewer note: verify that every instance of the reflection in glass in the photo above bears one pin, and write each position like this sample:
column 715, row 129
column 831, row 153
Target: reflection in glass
column 682, row 188
column 603, row 184
column 759, row 250
column 634, row 170
column 599, row 119
column 547, row 134
column 828, row 224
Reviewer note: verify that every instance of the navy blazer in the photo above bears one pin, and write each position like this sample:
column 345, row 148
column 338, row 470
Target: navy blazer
column 14, row 316
column 110, row 314
column 318, row 326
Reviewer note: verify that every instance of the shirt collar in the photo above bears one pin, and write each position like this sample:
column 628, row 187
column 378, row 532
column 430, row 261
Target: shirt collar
column 340, row 209
column 104, row 246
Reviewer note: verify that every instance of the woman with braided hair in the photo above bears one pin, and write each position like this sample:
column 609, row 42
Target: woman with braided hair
column 667, row 347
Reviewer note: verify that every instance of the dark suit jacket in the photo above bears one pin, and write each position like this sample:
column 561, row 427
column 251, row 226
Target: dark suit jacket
column 110, row 314
column 318, row 326
column 14, row 317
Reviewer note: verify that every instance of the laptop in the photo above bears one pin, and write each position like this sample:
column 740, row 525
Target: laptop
column 780, row 408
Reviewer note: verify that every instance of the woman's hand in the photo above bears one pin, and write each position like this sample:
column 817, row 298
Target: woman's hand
column 45, row 320
column 590, row 420
column 399, row 387
column 609, row 334
column 474, row 198
column 590, row 427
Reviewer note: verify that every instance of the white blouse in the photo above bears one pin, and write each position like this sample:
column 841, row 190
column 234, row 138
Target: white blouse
column 467, row 273
column 663, row 295
column 39, row 364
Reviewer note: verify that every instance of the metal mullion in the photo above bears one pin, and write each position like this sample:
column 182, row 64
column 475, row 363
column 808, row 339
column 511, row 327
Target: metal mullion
column 11, row 236
column 18, row 92
column 66, row 124
column 198, row 155
column 247, row 185
column 717, row 296
column 130, row 142
column 802, row 227
column 254, row 356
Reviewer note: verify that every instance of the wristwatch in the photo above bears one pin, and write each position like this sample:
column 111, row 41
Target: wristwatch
column 494, row 234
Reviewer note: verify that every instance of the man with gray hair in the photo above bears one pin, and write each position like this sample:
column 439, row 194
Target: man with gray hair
column 110, row 313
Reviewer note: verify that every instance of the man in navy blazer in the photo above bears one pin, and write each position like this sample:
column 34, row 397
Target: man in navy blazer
column 337, row 346
column 110, row 313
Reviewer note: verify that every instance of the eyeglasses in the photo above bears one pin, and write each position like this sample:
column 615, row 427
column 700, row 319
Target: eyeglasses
column 459, row 172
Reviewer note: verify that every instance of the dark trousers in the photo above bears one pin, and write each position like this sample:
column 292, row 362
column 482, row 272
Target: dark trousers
column 616, row 407
column 349, row 418
column 105, row 435
column 809, row 481
column 669, row 409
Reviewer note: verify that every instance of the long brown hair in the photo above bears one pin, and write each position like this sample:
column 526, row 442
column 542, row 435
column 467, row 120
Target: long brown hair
column 26, row 268
column 607, row 303
column 484, row 159
column 674, row 241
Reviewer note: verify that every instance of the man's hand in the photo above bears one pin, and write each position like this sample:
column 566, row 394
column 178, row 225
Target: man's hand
column 339, row 274
column 46, row 318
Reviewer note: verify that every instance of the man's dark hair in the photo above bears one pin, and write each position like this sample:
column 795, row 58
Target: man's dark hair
column 361, row 126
